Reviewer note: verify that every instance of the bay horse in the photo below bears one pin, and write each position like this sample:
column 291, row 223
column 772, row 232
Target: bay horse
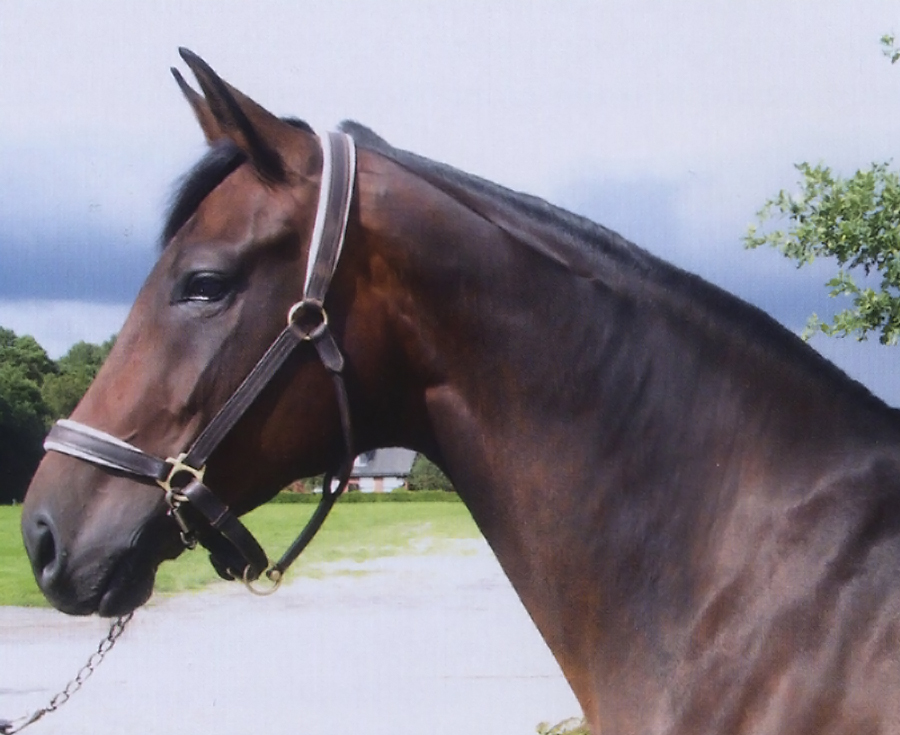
column 700, row 513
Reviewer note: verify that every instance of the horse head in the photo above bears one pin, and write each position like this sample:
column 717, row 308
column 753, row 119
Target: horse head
column 234, row 250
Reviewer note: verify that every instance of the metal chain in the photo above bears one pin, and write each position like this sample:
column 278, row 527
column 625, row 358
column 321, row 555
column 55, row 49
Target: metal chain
column 8, row 727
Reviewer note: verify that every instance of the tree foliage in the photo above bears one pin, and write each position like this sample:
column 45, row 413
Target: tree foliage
column 425, row 475
column 855, row 223
column 23, row 364
column 24, row 355
column 889, row 47
column 75, row 371
column 34, row 392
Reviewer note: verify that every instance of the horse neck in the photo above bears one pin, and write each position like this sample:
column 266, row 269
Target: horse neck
column 596, row 424
column 523, row 336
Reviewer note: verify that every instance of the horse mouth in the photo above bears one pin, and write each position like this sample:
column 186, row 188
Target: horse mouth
column 106, row 579
column 125, row 587
column 130, row 581
column 129, row 586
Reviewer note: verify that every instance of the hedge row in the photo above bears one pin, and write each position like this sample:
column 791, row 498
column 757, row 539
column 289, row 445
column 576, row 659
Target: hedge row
column 397, row 496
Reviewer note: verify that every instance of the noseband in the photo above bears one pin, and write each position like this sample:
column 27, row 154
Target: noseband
column 234, row 552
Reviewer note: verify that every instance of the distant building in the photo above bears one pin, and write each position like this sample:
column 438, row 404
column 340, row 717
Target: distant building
column 382, row 470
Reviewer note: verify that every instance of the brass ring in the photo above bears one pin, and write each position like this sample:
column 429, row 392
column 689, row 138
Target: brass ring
column 276, row 580
column 312, row 305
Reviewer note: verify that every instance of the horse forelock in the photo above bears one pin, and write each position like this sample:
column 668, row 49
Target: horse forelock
column 222, row 158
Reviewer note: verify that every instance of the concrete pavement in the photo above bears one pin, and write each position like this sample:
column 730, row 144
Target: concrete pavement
column 436, row 644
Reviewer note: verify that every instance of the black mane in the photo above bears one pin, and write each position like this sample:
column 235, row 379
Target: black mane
column 577, row 231
column 605, row 248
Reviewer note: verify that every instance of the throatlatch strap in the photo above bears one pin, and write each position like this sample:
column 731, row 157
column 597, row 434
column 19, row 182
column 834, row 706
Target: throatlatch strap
column 329, row 494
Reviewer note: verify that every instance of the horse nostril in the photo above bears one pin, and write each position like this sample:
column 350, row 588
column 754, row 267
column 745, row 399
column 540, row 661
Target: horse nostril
column 46, row 558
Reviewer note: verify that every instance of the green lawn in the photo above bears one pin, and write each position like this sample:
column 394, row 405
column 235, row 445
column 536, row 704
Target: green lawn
column 354, row 531
column 17, row 585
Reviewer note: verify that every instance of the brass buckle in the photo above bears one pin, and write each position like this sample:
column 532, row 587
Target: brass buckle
column 179, row 466
column 174, row 499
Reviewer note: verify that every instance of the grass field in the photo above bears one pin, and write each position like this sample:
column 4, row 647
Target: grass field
column 354, row 531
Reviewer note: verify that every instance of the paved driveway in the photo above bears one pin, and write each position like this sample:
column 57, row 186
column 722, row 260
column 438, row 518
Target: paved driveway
column 419, row 644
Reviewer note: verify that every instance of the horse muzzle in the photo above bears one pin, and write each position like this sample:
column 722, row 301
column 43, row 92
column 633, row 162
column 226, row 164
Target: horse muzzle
column 99, row 555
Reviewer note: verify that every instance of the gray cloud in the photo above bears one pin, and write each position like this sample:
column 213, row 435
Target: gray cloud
column 70, row 260
column 78, row 222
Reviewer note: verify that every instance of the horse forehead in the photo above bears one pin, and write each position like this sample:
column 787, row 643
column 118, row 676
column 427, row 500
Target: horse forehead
column 245, row 208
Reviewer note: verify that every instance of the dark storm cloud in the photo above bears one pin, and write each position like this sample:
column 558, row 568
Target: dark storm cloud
column 77, row 223
column 70, row 261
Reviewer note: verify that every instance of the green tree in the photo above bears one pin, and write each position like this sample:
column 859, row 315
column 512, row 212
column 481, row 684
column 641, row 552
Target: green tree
column 35, row 391
column 76, row 370
column 24, row 354
column 855, row 222
column 425, row 475
column 23, row 414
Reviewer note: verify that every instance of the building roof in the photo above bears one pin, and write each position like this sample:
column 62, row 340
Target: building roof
column 390, row 462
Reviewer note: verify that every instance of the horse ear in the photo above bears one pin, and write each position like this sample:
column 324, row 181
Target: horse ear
column 227, row 112
column 208, row 123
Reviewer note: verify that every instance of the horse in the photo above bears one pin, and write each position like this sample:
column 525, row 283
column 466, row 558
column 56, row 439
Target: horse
column 700, row 513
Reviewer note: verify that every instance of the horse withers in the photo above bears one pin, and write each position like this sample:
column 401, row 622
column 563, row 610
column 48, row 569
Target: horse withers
column 701, row 515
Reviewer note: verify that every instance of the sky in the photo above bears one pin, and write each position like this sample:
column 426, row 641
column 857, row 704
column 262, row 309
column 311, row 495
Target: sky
column 671, row 122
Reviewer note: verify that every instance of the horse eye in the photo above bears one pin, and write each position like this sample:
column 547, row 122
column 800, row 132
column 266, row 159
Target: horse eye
column 206, row 287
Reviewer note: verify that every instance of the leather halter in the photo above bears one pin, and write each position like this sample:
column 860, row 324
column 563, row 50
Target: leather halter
column 234, row 552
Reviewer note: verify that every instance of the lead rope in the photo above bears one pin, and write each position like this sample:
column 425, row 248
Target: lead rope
column 8, row 727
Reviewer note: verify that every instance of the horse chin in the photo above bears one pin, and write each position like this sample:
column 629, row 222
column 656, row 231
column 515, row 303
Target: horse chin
column 119, row 583
column 130, row 582
column 103, row 591
column 126, row 591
